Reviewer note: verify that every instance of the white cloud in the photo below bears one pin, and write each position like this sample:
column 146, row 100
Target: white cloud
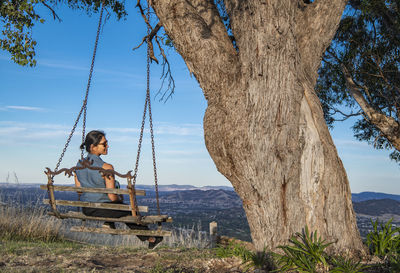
column 13, row 132
column 350, row 143
column 24, row 132
column 62, row 65
column 180, row 130
column 182, row 152
column 122, row 130
column 10, row 130
column 67, row 66
column 25, row 108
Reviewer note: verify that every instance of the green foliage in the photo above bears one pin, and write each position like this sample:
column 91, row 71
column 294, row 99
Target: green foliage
column 18, row 17
column 306, row 254
column 343, row 265
column 260, row 260
column 367, row 45
column 384, row 241
column 394, row 263
column 233, row 249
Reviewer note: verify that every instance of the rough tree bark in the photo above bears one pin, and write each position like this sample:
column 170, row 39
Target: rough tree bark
column 264, row 127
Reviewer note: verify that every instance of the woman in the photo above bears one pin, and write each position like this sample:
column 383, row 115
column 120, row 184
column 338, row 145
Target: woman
column 96, row 145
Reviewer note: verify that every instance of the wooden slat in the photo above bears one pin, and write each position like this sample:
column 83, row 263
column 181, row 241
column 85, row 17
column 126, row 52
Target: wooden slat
column 148, row 219
column 121, row 231
column 96, row 190
column 95, row 205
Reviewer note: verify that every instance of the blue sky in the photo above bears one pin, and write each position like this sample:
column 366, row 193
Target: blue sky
column 38, row 107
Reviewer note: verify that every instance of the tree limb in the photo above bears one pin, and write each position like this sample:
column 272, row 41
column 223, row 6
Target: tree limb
column 198, row 34
column 55, row 15
column 315, row 31
column 149, row 38
column 389, row 127
column 345, row 116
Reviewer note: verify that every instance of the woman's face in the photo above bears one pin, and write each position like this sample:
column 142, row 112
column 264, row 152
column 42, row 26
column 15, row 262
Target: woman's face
column 101, row 148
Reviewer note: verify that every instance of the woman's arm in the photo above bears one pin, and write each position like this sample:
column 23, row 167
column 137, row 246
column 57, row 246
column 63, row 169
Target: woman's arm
column 77, row 183
column 110, row 183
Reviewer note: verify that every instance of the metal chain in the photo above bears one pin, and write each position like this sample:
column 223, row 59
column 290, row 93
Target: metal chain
column 154, row 155
column 148, row 104
column 90, row 75
column 140, row 143
column 84, row 106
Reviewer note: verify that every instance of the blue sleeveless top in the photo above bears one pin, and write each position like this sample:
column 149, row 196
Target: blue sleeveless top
column 92, row 179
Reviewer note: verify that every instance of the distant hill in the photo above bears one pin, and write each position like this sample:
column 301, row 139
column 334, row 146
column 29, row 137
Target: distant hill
column 363, row 196
column 220, row 199
column 171, row 187
column 377, row 207
column 175, row 187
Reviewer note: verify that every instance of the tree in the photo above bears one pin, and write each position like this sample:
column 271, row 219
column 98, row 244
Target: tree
column 18, row 17
column 264, row 126
column 360, row 69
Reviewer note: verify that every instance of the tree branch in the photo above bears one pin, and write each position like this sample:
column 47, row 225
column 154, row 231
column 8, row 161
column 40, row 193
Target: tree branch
column 55, row 15
column 165, row 75
column 345, row 116
column 316, row 26
column 198, row 34
column 150, row 39
column 389, row 127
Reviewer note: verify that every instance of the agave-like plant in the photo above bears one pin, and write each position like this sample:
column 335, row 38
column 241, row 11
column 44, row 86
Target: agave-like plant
column 344, row 265
column 260, row 260
column 306, row 254
column 385, row 240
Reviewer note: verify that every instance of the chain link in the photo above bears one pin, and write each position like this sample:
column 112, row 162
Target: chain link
column 147, row 104
column 84, row 105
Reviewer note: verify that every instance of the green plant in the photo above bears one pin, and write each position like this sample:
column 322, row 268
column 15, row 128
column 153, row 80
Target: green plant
column 394, row 263
column 260, row 260
column 306, row 254
column 383, row 241
column 233, row 248
column 344, row 265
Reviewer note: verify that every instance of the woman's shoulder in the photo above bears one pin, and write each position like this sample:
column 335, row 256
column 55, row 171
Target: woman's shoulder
column 108, row 166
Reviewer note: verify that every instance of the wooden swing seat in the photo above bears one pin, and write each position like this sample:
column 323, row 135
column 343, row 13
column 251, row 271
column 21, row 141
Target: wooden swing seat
column 131, row 192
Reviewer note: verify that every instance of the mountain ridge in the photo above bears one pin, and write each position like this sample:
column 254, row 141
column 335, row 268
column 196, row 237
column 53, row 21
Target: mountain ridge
column 356, row 197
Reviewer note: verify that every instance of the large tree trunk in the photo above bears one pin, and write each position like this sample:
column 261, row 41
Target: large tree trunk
column 264, row 126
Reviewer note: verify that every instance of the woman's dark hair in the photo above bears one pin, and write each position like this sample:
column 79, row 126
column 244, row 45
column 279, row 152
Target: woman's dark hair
column 93, row 137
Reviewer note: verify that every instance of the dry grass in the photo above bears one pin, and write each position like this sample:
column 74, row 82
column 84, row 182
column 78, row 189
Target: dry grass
column 28, row 224
column 19, row 222
column 182, row 238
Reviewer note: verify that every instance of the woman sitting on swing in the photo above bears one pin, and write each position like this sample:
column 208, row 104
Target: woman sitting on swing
column 96, row 145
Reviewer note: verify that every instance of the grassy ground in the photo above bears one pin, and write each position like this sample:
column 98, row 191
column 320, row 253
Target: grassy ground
column 37, row 256
column 31, row 241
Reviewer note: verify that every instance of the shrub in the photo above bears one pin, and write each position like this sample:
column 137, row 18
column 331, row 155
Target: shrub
column 344, row 265
column 384, row 241
column 233, row 249
column 259, row 260
column 306, row 254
